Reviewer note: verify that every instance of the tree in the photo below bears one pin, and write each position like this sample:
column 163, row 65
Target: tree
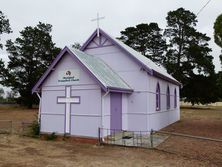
column 219, row 84
column 218, row 33
column 29, row 56
column 201, row 89
column 188, row 56
column 11, row 96
column 146, row 39
column 4, row 26
column 218, row 41
column 2, row 92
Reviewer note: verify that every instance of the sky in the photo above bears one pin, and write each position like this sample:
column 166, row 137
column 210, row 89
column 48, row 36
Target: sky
column 71, row 19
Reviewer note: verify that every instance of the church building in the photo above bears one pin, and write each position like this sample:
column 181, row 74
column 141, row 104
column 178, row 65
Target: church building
column 105, row 84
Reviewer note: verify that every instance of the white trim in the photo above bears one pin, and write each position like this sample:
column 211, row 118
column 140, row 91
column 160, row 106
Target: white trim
column 40, row 105
column 102, row 112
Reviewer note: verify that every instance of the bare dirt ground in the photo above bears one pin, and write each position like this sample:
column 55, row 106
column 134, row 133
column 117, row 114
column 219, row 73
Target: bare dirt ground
column 22, row 151
column 206, row 122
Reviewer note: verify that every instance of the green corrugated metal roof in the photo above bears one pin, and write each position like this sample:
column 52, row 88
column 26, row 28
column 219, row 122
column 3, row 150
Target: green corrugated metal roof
column 101, row 70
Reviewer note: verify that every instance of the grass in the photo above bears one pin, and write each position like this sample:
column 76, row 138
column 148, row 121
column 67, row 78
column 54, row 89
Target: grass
column 201, row 112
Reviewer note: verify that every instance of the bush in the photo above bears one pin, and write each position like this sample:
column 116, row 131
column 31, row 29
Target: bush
column 52, row 136
column 35, row 128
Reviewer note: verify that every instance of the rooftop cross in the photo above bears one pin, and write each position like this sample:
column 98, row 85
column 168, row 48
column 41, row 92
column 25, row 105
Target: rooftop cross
column 97, row 19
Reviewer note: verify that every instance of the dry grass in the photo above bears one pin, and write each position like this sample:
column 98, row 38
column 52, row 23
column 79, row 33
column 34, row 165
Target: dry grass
column 206, row 122
column 23, row 151
column 17, row 115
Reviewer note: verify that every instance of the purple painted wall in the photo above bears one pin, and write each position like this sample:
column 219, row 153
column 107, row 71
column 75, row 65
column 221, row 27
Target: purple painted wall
column 86, row 116
column 141, row 111
column 131, row 72
column 116, row 111
column 136, row 111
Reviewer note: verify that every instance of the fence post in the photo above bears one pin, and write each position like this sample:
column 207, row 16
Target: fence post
column 114, row 136
column 122, row 137
column 140, row 138
column 99, row 140
column 151, row 138
column 11, row 127
column 107, row 136
column 22, row 128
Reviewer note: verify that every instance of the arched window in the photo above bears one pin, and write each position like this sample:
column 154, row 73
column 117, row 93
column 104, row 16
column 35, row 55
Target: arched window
column 168, row 98
column 157, row 97
column 175, row 98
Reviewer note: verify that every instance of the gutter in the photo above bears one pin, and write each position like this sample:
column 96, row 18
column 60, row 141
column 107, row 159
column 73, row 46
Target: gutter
column 102, row 113
column 40, row 105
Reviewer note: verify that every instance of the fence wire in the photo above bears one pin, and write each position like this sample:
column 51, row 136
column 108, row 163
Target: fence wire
column 26, row 129
column 192, row 147
column 16, row 127
column 5, row 126
column 146, row 139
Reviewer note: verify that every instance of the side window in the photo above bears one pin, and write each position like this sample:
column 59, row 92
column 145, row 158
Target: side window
column 157, row 97
column 168, row 98
column 175, row 98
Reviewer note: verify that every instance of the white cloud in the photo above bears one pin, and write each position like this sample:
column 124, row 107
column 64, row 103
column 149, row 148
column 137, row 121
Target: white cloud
column 71, row 18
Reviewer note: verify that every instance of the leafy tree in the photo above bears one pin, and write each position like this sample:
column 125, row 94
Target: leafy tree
column 29, row 56
column 147, row 39
column 188, row 56
column 201, row 89
column 219, row 84
column 11, row 95
column 218, row 33
column 2, row 92
column 188, row 49
column 4, row 26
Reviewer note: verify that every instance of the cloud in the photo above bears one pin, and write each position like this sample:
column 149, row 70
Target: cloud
column 71, row 18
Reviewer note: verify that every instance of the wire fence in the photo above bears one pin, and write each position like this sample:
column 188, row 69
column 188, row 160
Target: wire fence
column 16, row 127
column 186, row 145
column 193, row 147
column 146, row 139
column 152, row 139
column 26, row 129
column 5, row 126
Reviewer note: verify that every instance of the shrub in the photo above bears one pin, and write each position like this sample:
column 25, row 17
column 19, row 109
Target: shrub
column 52, row 136
column 35, row 128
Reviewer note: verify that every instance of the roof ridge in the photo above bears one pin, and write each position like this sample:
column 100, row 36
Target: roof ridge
column 119, row 41
column 144, row 60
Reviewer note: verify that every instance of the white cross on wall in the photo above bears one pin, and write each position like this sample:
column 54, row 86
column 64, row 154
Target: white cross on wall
column 97, row 19
column 68, row 100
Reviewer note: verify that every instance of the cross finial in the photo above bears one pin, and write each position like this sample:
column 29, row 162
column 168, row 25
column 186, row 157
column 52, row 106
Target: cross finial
column 97, row 19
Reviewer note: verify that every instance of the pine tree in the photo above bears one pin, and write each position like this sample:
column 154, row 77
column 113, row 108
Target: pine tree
column 146, row 39
column 4, row 26
column 29, row 56
column 188, row 57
